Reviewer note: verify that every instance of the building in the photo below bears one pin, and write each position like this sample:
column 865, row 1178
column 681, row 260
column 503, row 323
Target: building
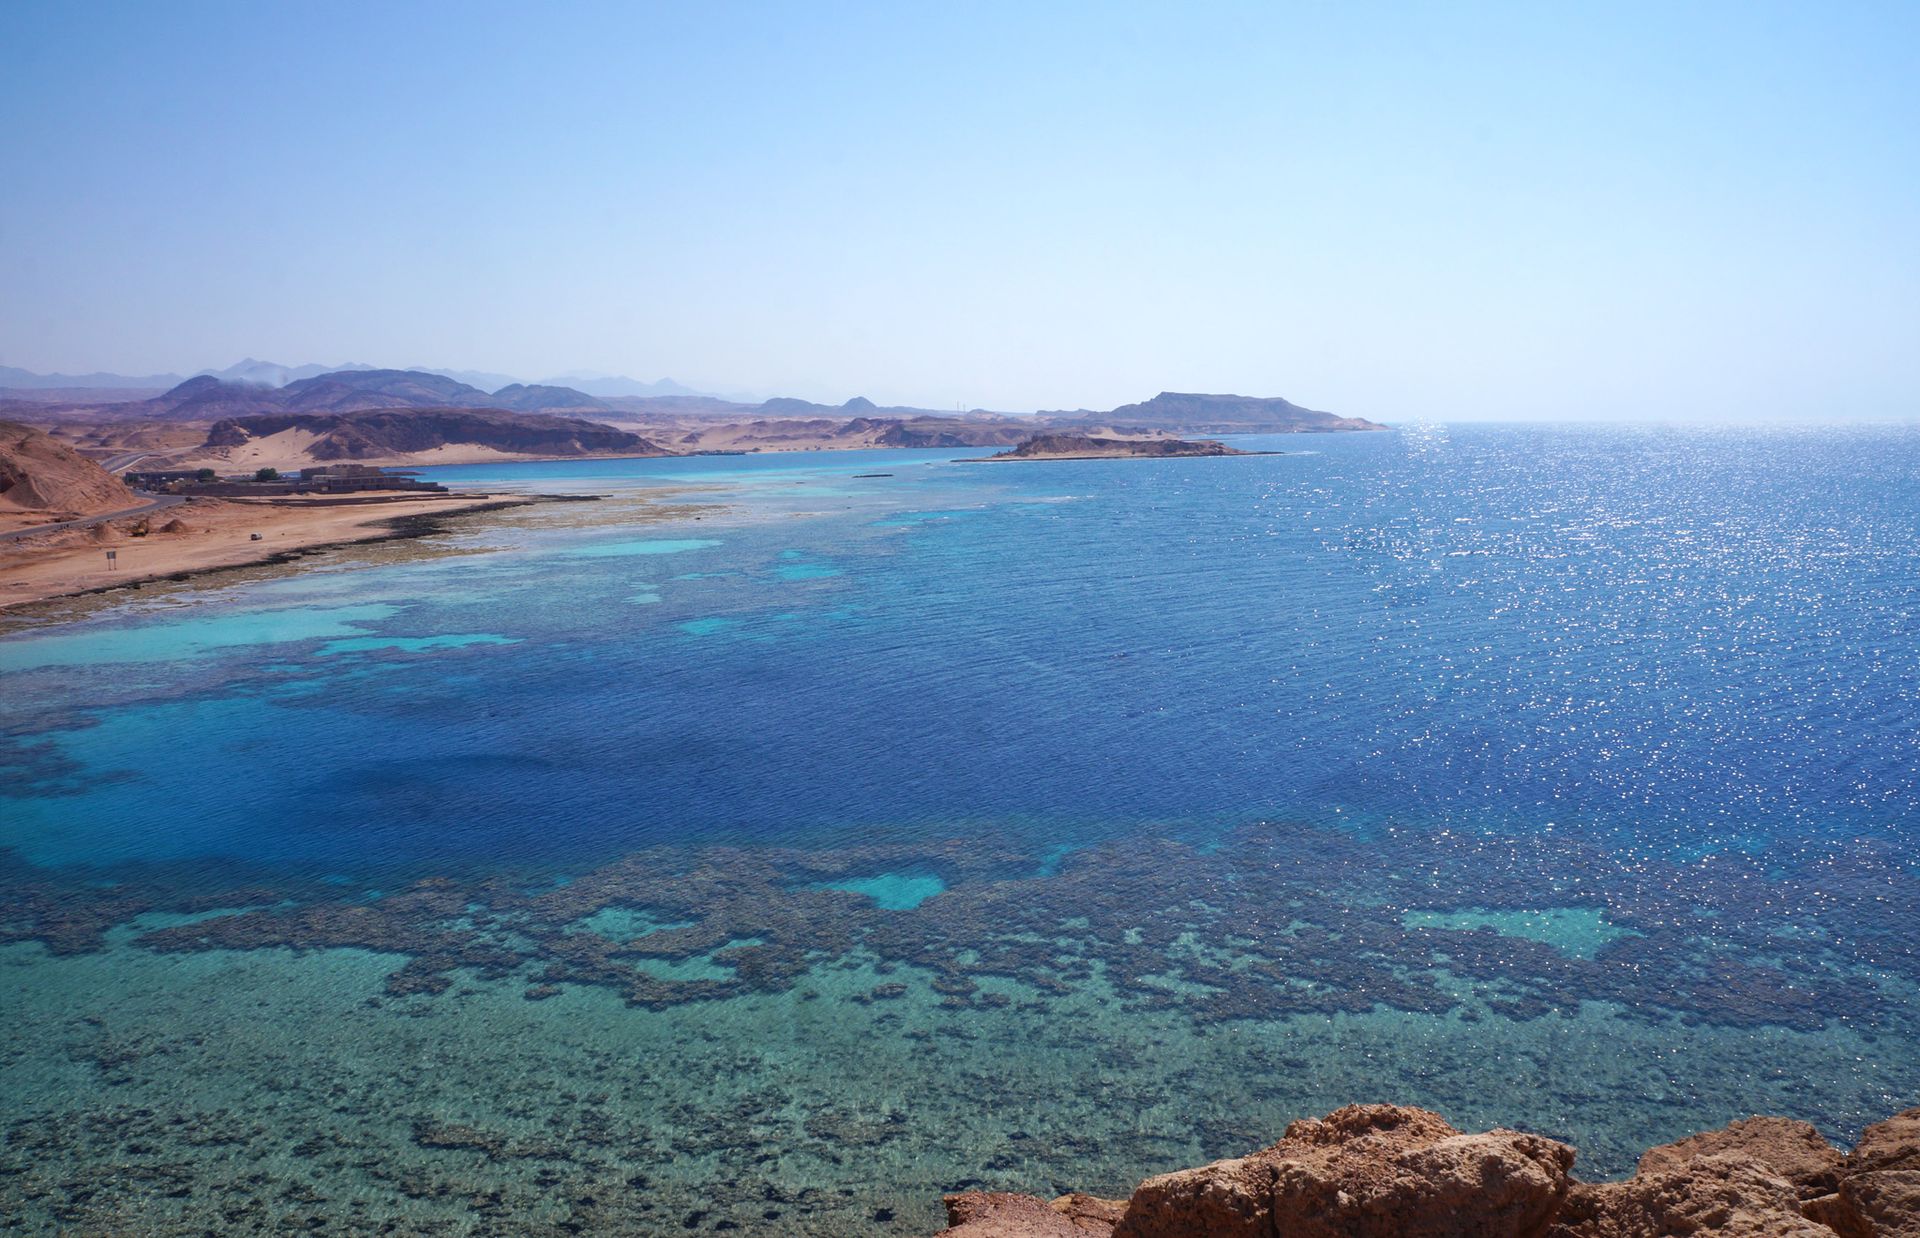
column 321, row 479
column 159, row 479
column 345, row 478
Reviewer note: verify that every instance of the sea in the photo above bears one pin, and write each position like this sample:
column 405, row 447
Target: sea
column 770, row 844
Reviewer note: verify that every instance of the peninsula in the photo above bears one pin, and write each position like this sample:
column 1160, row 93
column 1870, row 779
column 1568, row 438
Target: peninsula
column 68, row 526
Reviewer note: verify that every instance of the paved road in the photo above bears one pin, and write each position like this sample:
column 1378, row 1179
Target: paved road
column 115, row 464
column 156, row 502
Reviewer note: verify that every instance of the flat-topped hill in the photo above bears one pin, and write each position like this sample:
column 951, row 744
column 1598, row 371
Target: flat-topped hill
column 1219, row 414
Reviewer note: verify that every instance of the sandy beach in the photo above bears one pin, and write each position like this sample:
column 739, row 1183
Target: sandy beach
column 212, row 533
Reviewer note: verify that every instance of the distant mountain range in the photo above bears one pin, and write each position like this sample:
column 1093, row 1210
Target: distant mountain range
column 272, row 374
column 688, row 422
column 254, row 387
column 213, row 397
column 613, row 385
column 207, row 398
column 27, row 380
column 422, row 416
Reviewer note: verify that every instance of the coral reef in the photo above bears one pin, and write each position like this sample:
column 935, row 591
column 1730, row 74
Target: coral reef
column 1276, row 921
column 1398, row 1172
column 830, row 1038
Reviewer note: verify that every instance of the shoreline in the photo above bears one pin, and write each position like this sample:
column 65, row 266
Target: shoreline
column 33, row 575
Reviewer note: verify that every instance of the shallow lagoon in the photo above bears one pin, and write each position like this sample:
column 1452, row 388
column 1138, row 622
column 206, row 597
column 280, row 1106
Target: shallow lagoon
column 1557, row 778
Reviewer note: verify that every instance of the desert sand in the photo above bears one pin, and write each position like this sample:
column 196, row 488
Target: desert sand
column 203, row 534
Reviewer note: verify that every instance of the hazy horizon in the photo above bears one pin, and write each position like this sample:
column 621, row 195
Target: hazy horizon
column 1496, row 212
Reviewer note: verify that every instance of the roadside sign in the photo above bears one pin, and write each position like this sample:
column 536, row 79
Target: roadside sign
column 112, row 555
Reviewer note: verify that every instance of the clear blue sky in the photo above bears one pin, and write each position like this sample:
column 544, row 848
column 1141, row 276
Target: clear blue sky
column 1398, row 211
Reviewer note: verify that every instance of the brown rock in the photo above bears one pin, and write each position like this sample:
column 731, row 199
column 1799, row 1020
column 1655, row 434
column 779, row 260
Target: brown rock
column 1837, row 1215
column 38, row 473
column 1793, row 1150
column 1879, row 1195
column 1881, row 1203
column 1090, row 1212
column 997, row 1214
column 1892, row 1144
column 1365, row 1171
column 1726, row 1195
column 1383, row 1171
column 1227, row 1199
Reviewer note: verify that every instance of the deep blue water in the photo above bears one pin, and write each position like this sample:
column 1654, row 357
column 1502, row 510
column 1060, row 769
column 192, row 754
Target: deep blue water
column 1684, row 640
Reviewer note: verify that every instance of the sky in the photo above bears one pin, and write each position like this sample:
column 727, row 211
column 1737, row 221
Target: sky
column 1398, row 211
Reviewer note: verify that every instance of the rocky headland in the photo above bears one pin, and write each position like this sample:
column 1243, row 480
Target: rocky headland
column 1387, row 1171
column 1092, row 447
column 1196, row 412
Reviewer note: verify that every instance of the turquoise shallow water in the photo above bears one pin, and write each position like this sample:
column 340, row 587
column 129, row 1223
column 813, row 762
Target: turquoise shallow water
column 761, row 846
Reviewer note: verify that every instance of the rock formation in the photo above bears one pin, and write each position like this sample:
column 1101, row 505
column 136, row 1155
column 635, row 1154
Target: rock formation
column 538, row 398
column 40, row 474
column 1081, row 446
column 995, row 1214
column 1385, row 1171
column 1879, row 1193
column 1365, row 1171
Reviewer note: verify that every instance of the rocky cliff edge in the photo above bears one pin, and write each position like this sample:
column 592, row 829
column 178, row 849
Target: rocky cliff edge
column 1386, row 1171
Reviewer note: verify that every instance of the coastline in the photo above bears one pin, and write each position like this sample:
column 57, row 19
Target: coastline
column 220, row 537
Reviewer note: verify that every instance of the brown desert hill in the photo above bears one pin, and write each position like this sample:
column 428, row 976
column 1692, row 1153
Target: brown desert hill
column 389, row 433
column 38, row 473
column 1387, row 1171
column 205, row 398
column 1218, row 414
column 351, row 390
column 521, row 397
